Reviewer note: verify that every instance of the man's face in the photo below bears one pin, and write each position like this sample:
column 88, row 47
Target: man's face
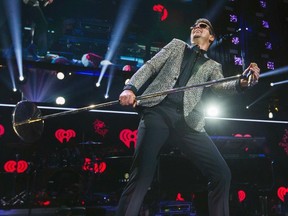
column 201, row 31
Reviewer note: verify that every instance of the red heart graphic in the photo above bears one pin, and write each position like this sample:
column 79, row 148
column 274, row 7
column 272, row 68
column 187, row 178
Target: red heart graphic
column 97, row 167
column 12, row 166
column 128, row 137
column 241, row 195
column 65, row 134
column 282, row 192
column 2, row 130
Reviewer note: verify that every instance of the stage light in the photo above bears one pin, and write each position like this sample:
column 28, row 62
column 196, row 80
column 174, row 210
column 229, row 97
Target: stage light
column 98, row 84
column 263, row 4
column 235, row 40
column 268, row 45
column 105, row 62
column 126, row 175
column 60, row 75
column 247, row 107
column 265, row 24
column 14, row 89
column 270, row 65
column 21, row 78
column 60, row 100
column 279, row 83
column 278, row 71
column 238, row 60
column 13, row 8
column 123, row 18
column 212, row 110
column 238, row 30
column 233, row 18
column 270, row 115
column 106, row 96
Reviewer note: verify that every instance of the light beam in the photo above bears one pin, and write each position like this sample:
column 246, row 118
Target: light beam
column 13, row 13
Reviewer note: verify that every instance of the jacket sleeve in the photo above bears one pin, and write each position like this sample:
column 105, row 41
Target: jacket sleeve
column 225, row 88
column 151, row 67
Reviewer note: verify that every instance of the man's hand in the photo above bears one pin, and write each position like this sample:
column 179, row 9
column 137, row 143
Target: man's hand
column 127, row 98
column 253, row 73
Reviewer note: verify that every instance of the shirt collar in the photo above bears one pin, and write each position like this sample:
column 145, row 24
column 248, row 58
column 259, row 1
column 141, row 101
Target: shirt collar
column 196, row 48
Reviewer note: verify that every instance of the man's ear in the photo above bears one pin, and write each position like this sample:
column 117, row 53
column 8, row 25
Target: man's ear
column 211, row 38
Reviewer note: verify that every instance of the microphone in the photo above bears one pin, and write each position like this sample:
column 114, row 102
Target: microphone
column 46, row 2
column 251, row 80
column 248, row 77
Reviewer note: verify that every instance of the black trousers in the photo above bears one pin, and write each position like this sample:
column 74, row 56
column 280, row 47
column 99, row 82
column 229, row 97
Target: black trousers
column 156, row 126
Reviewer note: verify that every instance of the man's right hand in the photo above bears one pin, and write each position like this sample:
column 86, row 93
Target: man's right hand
column 127, row 98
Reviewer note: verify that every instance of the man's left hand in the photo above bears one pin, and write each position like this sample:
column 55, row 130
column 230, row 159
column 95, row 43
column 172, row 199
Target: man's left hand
column 253, row 73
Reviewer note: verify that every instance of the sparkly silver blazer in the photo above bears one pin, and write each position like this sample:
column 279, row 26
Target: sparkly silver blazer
column 165, row 67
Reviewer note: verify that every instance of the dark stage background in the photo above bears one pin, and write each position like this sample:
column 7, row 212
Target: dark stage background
column 83, row 159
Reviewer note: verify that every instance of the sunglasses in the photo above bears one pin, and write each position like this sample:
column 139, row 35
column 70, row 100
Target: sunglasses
column 201, row 25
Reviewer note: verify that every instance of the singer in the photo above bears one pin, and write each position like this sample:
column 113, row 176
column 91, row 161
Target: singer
column 181, row 115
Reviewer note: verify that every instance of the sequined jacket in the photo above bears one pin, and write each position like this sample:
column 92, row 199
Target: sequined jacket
column 165, row 68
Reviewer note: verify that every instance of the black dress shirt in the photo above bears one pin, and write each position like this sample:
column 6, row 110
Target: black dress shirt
column 193, row 58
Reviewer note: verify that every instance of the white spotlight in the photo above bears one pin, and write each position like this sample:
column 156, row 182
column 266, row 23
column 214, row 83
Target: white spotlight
column 97, row 84
column 271, row 84
column 60, row 100
column 106, row 96
column 21, row 78
column 212, row 111
column 14, row 89
column 60, row 75
column 247, row 107
column 270, row 115
column 105, row 62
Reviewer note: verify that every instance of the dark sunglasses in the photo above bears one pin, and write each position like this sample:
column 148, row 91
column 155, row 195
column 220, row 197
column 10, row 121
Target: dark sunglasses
column 201, row 25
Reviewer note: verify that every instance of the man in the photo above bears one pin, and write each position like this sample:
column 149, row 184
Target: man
column 181, row 115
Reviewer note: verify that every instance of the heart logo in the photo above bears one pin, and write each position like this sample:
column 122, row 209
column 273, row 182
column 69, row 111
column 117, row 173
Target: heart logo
column 128, row 137
column 282, row 192
column 64, row 134
column 241, row 195
column 2, row 130
column 95, row 166
column 18, row 166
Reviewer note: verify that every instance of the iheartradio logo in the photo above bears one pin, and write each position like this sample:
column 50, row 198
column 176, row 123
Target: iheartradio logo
column 128, row 137
column 62, row 135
